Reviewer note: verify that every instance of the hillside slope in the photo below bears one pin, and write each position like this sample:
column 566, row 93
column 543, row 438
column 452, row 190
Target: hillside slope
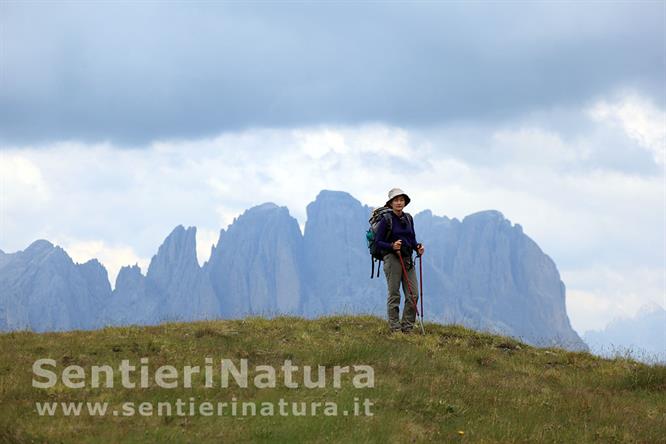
column 453, row 384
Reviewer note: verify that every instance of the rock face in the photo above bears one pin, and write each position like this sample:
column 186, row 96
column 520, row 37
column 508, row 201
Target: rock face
column 337, row 263
column 41, row 289
column 487, row 274
column 4, row 258
column 130, row 302
column 175, row 287
column 256, row 266
column 481, row 272
column 184, row 290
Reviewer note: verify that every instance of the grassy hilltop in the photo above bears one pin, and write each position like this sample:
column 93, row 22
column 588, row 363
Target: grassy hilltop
column 453, row 385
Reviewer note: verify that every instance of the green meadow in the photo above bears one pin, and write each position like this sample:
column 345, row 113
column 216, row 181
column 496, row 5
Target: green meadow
column 451, row 385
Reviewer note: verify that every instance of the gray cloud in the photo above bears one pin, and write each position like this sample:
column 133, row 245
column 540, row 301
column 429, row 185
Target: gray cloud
column 132, row 73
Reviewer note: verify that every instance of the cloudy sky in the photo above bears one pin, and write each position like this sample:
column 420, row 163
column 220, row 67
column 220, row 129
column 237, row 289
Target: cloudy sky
column 119, row 121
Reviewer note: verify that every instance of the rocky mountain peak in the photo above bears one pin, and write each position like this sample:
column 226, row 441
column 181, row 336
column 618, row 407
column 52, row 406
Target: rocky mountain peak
column 255, row 267
column 177, row 255
column 128, row 277
column 485, row 217
column 39, row 247
column 332, row 210
column 260, row 212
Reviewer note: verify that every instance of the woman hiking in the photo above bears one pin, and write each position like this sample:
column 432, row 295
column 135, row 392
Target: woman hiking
column 400, row 239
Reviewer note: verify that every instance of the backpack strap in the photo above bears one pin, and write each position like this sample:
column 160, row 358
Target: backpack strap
column 389, row 222
column 411, row 220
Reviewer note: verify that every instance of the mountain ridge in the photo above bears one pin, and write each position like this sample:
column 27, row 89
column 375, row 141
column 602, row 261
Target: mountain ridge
column 482, row 272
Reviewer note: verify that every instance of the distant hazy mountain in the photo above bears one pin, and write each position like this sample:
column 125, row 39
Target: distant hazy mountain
column 481, row 272
column 255, row 268
column 175, row 287
column 41, row 289
column 642, row 337
column 487, row 274
column 337, row 264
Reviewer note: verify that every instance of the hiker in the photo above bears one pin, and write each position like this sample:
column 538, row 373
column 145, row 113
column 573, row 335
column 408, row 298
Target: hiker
column 401, row 240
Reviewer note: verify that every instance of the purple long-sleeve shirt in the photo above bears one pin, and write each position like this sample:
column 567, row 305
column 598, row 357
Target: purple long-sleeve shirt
column 399, row 230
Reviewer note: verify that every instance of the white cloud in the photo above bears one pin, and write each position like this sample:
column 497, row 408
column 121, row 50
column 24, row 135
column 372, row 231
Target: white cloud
column 205, row 240
column 22, row 180
column 639, row 118
column 588, row 310
column 23, row 194
column 599, row 294
column 530, row 146
column 319, row 143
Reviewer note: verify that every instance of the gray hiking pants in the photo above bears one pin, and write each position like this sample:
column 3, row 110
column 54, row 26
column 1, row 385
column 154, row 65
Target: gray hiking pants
column 394, row 277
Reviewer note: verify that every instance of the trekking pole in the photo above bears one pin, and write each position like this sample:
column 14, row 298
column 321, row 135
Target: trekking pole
column 409, row 286
column 421, row 284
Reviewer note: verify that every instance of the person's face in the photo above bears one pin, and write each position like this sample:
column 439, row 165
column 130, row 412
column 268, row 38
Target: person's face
column 398, row 203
